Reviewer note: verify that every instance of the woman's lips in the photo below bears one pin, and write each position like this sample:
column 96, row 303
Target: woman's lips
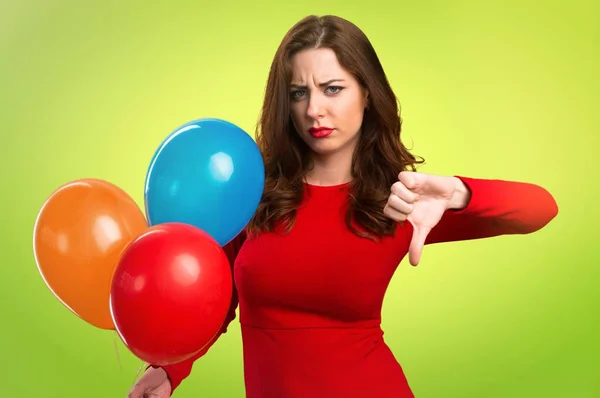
column 320, row 132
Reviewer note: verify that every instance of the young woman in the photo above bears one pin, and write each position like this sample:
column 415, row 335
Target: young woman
column 343, row 205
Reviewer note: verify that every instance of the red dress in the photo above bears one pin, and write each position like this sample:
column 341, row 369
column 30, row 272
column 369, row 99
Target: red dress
column 310, row 302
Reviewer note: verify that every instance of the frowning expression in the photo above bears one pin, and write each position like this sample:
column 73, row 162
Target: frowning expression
column 326, row 102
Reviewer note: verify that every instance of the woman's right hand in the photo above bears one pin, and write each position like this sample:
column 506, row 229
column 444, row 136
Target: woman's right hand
column 153, row 384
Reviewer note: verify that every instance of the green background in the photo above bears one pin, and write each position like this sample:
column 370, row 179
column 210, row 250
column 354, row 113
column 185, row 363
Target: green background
column 493, row 90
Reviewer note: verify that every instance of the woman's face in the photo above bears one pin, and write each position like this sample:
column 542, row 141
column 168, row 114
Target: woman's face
column 326, row 102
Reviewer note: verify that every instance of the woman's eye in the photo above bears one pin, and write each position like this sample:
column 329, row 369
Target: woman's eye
column 297, row 93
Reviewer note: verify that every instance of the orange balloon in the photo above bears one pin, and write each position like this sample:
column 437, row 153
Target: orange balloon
column 79, row 235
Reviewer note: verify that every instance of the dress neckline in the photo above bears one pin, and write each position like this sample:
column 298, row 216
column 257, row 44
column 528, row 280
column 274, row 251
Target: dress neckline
column 326, row 187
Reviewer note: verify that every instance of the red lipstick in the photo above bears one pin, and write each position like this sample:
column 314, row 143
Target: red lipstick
column 320, row 132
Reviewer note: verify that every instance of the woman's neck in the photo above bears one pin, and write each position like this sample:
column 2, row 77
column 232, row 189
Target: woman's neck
column 332, row 169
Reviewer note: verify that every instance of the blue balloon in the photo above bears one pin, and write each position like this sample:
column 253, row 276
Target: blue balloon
column 208, row 173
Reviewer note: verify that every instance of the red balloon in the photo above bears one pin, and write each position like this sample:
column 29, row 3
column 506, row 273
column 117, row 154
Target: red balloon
column 170, row 293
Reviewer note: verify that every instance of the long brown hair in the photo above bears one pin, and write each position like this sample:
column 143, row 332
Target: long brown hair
column 379, row 156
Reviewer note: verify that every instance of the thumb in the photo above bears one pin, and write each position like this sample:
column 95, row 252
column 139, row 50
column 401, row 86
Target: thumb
column 138, row 391
column 416, row 243
column 135, row 393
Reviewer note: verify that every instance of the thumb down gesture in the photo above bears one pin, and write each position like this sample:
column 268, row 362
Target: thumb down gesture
column 422, row 200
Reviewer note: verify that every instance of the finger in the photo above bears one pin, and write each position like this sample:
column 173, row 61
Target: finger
column 394, row 214
column 410, row 179
column 401, row 191
column 399, row 205
column 417, row 243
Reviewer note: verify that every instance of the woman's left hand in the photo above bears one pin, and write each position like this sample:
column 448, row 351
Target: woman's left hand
column 422, row 200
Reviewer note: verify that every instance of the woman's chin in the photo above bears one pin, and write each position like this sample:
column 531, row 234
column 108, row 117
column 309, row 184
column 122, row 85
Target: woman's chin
column 323, row 148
